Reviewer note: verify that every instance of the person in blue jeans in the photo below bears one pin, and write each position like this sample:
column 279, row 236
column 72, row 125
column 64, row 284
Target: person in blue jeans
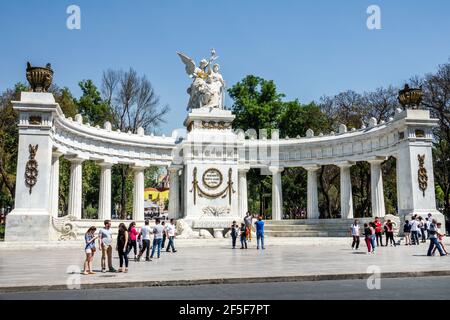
column 259, row 233
column 434, row 240
column 158, row 231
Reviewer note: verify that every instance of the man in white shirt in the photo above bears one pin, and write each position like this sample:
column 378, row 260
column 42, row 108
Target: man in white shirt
column 171, row 230
column 145, row 233
column 414, row 230
column 105, row 244
column 158, row 231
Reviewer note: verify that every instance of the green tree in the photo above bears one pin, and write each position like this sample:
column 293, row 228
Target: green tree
column 91, row 105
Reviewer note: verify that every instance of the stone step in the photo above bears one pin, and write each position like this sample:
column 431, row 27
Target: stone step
column 305, row 234
column 306, row 227
column 346, row 222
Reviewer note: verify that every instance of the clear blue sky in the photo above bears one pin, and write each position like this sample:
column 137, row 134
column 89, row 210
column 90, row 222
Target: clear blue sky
column 310, row 48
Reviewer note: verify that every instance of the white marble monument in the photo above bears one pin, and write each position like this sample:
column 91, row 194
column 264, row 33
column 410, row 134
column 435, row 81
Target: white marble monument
column 208, row 168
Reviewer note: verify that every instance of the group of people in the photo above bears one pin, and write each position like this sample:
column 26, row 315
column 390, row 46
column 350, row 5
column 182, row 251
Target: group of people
column 127, row 240
column 244, row 231
column 373, row 234
column 427, row 228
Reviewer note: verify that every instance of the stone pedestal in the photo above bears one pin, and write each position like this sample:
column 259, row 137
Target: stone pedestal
column 31, row 218
column 415, row 162
column 210, row 165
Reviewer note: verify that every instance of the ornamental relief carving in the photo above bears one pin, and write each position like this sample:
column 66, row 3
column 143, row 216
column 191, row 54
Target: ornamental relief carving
column 422, row 174
column 31, row 168
column 221, row 125
column 202, row 193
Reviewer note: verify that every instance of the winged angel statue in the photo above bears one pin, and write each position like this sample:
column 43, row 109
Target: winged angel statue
column 207, row 88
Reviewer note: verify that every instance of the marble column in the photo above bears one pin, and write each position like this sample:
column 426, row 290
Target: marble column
column 313, row 196
column 277, row 193
column 54, row 184
column 75, row 188
column 138, row 194
column 243, row 200
column 377, row 194
column 174, row 193
column 346, row 192
column 104, row 200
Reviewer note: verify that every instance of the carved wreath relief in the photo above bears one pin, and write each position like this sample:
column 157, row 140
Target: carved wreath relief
column 423, row 176
column 212, row 179
column 31, row 168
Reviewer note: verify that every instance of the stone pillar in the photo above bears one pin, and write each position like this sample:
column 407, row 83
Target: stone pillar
column 313, row 197
column 277, row 193
column 31, row 218
column 75, row 188
column 346, row 191
column 377, row 194
column 174, row 193
column 138, row 194
column 104, row 200
column 54, row 184
column 243, row 200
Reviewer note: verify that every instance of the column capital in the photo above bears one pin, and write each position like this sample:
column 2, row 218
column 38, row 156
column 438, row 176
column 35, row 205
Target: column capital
column 174, row 168
column 312, row 167
column 138, row 168
column 244, row 169
column 376, row 160
column 76, row 159
column 276, row 170
column 104, row 164
column 345, row 164
column 57, row 154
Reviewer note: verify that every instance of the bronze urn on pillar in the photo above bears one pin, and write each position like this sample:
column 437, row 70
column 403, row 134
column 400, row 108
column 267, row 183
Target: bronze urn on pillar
column 39, row 78
column 410, row 97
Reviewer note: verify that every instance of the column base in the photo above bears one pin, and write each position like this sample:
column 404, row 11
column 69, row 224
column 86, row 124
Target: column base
column 28, row 225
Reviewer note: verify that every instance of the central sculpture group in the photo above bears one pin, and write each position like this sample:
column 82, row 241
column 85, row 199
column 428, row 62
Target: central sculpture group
column 207, row 88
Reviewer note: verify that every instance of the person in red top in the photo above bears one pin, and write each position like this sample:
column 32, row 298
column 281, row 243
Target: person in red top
column 132, row 240
column 378, row 231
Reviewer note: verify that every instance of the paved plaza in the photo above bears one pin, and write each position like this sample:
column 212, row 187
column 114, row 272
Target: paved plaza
column 214, row 262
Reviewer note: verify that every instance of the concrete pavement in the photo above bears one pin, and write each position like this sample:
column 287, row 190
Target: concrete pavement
column 54, row 268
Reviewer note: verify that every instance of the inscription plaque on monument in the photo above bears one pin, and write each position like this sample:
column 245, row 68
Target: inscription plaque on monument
column 212, row 178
